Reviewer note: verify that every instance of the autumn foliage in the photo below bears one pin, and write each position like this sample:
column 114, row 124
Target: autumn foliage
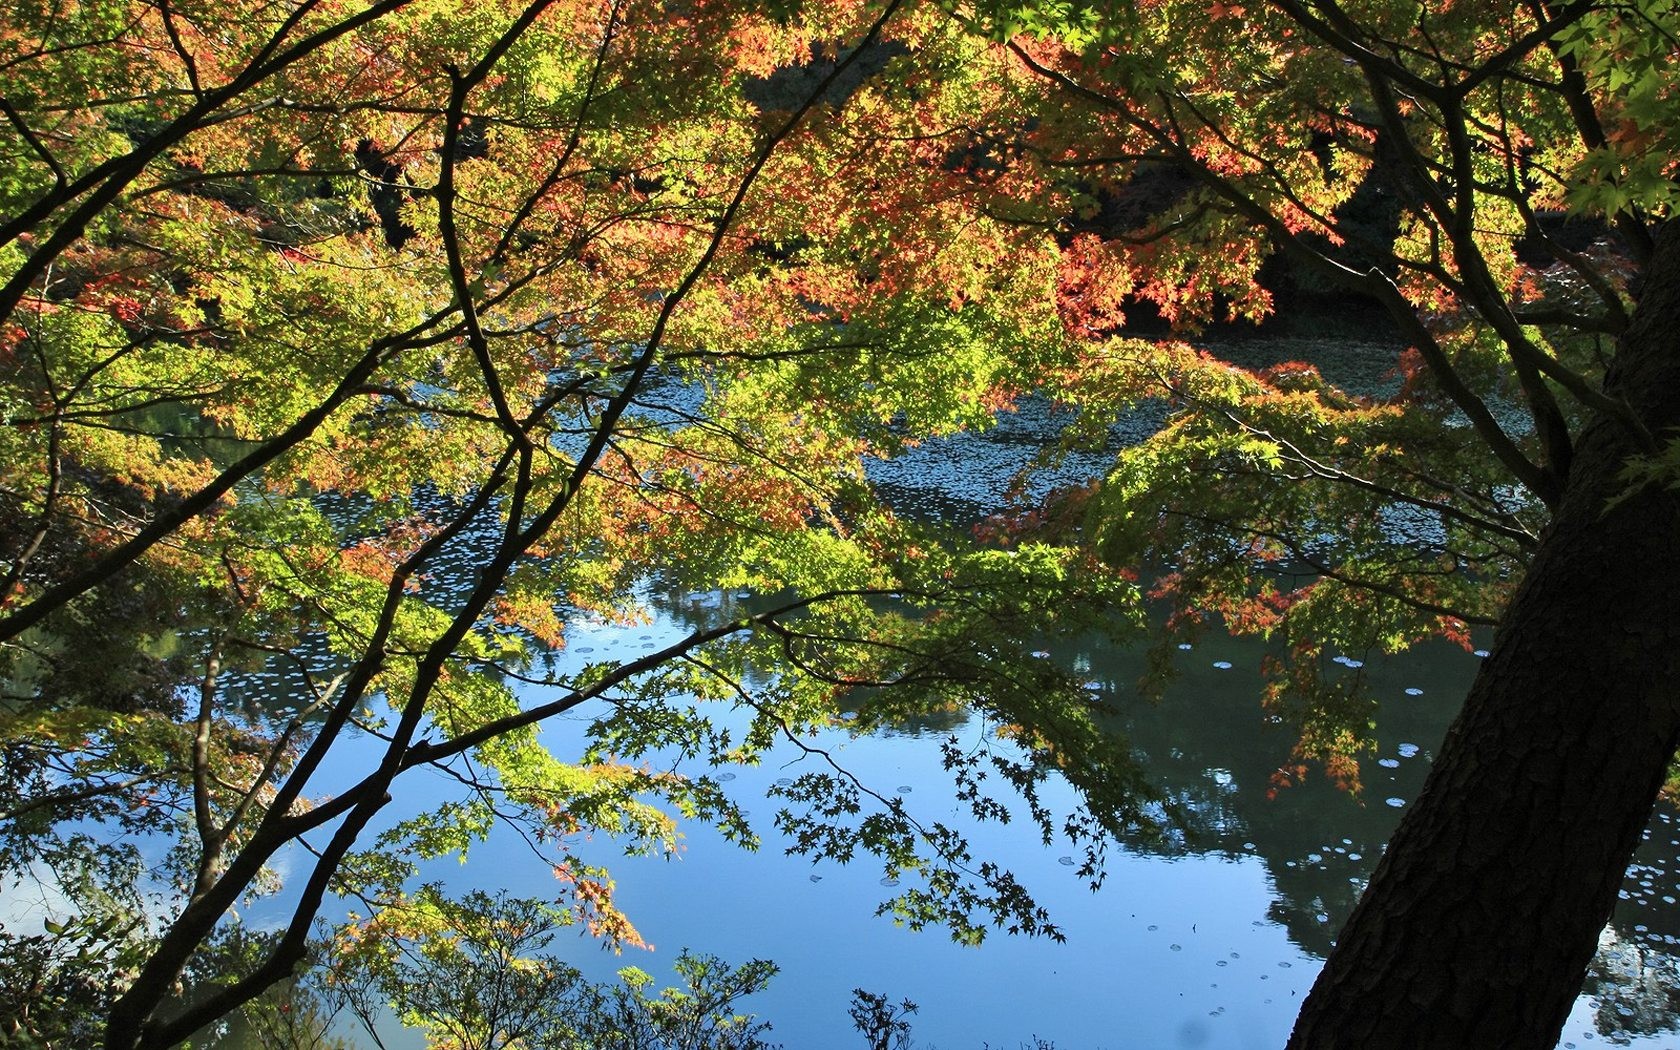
column 381, row 342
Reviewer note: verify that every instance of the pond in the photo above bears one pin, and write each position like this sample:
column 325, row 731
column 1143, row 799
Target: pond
column 1209, row 940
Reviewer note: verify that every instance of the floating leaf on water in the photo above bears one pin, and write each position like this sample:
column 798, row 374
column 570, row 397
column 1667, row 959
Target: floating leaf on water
column 1177, row 947
column 903, row 789
column 816, row 878
column 726, row 776
column 584, row 649
column 889, row 881
column 1066, row 862
column 784, row 782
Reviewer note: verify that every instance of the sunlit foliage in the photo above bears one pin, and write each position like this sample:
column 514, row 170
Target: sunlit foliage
column 376, row 346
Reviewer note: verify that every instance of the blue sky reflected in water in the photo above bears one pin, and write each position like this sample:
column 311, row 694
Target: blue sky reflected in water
column 1211, row 945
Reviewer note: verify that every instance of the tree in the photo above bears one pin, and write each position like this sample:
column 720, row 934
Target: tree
column 352, row 339
column 366, row 345
column 1500, row 178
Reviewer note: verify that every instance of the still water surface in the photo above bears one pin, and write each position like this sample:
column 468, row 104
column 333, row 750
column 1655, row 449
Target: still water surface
column 1209, row 941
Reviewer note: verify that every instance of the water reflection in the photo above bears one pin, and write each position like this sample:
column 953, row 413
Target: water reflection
column 1206, row 938
column 1209, row 743
column 1208, row 746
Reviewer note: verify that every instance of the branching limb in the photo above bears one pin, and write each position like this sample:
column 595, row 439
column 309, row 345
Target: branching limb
column 1327, row 472
column 1322, row 568
column 101, row 185
column 130, row 1026
column 71, row 796
column 40, row 148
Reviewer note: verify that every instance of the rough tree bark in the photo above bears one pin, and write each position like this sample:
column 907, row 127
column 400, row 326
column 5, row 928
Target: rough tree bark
column 1480, row 921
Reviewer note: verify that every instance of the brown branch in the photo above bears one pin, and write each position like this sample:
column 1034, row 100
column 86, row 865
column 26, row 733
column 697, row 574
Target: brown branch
column 460, row 86
column 181, row 51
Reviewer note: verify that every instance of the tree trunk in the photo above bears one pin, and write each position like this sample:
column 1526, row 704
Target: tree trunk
column 1478, row 926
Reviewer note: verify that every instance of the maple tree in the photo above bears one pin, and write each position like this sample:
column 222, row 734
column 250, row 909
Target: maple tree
column 374, row 343
column 367, row 346
column 1500, row 178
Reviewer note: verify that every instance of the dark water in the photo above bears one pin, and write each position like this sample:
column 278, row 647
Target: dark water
column 1209, row 940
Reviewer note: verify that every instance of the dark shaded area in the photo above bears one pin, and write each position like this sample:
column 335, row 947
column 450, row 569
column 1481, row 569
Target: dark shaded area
column 787, row 88
column 1369, row 222
column 472, row 140
column 93, row 652
column 386, row 192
